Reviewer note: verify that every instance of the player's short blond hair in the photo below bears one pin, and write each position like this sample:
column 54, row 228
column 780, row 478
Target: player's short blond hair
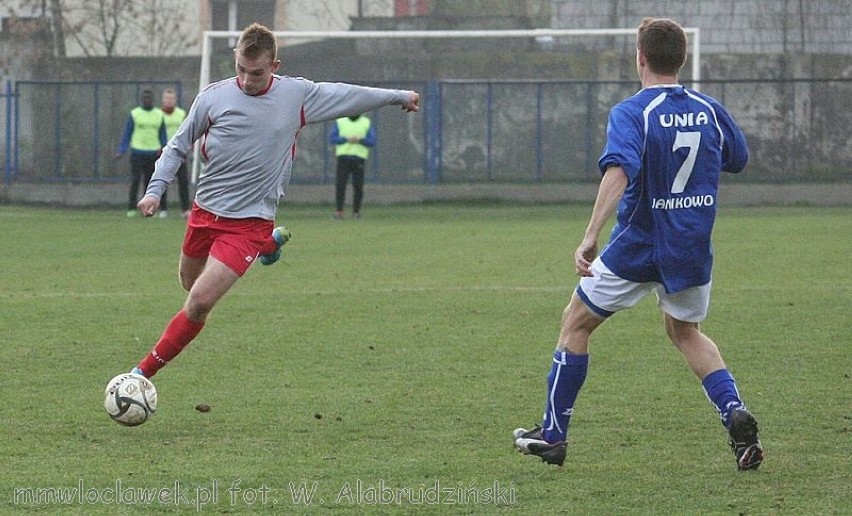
column 257, row 40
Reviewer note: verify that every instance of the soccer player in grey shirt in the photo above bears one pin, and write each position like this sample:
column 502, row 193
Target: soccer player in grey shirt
column 247, row 126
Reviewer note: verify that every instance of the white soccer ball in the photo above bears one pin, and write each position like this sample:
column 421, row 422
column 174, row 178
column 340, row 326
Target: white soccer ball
column 130, row 399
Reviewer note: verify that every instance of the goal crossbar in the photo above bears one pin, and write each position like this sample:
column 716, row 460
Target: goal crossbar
column 206, row 49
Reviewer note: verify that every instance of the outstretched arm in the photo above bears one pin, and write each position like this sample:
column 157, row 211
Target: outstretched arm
column 609, row 194
column 329, row 101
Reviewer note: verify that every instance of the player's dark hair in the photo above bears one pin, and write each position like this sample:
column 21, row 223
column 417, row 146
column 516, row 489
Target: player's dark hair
column 257, row 39
column 663, row 43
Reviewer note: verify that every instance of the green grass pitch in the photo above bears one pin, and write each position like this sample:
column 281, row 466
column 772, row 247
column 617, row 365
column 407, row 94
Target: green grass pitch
column 381, row 366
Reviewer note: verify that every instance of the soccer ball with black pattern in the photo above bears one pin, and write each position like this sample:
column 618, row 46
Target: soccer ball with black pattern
column 130, row 399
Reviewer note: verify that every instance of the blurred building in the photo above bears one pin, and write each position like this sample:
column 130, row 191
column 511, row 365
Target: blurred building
column 158, row 28
column 740, row 27
column 174, row 27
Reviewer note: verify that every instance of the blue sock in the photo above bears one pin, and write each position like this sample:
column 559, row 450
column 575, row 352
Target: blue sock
column 722, row 392
column 563, row 384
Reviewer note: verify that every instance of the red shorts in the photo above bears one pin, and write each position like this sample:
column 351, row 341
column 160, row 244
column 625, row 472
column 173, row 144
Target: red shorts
column 234, row 242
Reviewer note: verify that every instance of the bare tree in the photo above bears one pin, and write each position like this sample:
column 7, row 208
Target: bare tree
column 57, row 27
column 114, row 27
column 162, row 26
column 24, row 43
column 110, row 15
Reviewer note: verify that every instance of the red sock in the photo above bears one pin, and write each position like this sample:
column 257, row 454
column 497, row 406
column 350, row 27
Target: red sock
column 179, row 332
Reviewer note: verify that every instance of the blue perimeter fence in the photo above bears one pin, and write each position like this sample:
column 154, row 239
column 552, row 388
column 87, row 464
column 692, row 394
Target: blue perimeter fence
column 467, row 131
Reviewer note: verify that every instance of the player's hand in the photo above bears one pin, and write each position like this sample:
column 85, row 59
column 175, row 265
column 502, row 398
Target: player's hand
column 584, row 256
column 148, row 206
column 412, row 105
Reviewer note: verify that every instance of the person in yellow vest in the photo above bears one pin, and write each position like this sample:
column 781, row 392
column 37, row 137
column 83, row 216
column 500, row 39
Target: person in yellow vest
column 145, row 136
column 174, row 115
column 352, row 137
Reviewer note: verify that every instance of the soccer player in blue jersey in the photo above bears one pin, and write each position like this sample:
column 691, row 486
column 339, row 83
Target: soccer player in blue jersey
column 666, row 147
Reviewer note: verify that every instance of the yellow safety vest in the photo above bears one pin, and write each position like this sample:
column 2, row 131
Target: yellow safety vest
column 146, row 129
column 173, row 121
column 348, row 128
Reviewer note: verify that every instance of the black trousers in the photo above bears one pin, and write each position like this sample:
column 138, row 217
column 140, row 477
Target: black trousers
column 346, row 166
column 141, row 169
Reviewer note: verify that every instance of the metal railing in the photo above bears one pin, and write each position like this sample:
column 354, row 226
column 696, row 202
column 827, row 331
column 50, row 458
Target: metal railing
column 467, row 131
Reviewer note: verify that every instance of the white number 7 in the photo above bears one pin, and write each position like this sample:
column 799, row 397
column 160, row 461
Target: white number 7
column 691, row 140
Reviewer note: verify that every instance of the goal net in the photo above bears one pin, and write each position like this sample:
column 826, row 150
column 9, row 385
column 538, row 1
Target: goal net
column 543, row 37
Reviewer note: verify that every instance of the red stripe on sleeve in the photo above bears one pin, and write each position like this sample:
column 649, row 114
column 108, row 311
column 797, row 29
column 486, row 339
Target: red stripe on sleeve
column 204, row 139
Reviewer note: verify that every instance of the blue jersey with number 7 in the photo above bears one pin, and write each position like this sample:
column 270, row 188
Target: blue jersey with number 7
column 672, row 143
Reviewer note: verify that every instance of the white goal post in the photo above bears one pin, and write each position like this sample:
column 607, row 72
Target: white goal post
column 692, row 33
